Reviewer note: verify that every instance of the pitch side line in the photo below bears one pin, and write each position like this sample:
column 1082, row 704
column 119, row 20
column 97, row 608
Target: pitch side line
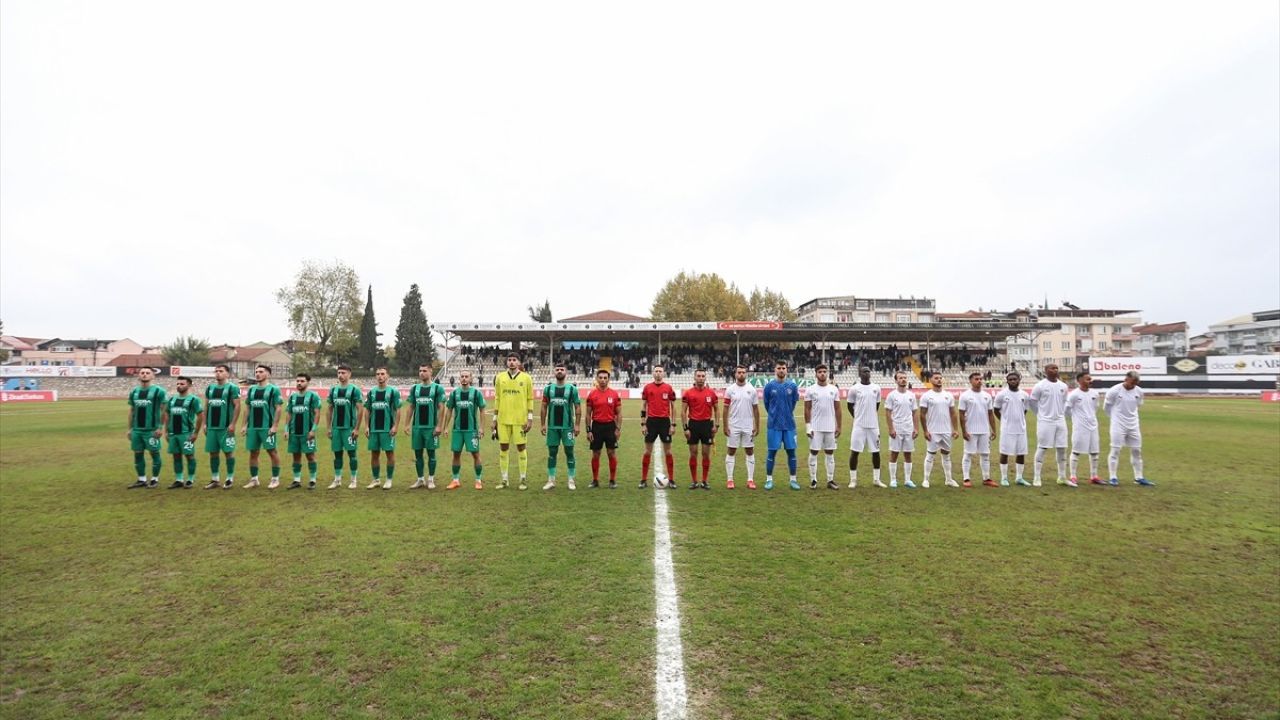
column 672, row 700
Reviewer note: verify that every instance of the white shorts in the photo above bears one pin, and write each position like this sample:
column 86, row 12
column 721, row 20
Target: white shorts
column 1051, row 434
column 940, row 441
column 1085, row 442
column 1013, row 444
column 903, row 443
column 978, row 444
column 1126, row 438
column 865, row 439
column 741, row 438
column 822, row 440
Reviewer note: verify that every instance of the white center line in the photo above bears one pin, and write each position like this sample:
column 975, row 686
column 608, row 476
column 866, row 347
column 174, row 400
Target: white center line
column 672, row 700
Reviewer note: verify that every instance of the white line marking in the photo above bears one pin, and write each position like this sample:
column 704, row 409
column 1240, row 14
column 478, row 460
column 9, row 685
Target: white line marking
column 671, row 696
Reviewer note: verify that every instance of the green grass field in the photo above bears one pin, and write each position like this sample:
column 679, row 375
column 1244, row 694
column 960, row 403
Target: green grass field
column 982, row 603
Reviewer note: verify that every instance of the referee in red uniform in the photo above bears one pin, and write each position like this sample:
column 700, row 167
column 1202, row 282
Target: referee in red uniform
column 697, row 415
column 655, row 418
column 605, row 408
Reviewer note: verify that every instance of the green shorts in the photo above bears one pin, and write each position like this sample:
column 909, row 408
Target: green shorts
column 143, row 441
column 424, row 438
column 300, row 444
column 467, row 440
column 223, row 441
column 556, row 437
column 260, row 440
column 181, row 444
column 340, row 439
column 382, row 441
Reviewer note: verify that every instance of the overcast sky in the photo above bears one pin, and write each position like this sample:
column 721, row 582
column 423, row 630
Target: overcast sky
column 164, row 167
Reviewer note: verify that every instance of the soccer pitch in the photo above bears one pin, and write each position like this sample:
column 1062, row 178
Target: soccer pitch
column 942, row 603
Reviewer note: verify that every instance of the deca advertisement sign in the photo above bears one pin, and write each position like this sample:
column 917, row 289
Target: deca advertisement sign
column 1118, row 366
column 1243, row 364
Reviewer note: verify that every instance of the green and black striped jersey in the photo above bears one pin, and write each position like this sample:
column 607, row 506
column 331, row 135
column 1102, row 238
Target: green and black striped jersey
column 302, row 408
column 466, row 404
column 219, row 401
column 382, row 406
column 183, row 410
column 261, row 402
column 561, row 401
column 146, row 404
column 345, row 401
column 423, row 400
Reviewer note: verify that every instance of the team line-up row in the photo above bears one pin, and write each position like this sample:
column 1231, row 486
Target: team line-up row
column 428, row 412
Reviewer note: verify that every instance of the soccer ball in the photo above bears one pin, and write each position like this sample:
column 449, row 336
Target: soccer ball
column 660, row 479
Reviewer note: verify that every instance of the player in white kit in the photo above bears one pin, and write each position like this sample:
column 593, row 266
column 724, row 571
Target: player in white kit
column 900, row 414
column 1122, row 403
column 1049, row 398
column 822, row 425
column 863, row 402
column 1011, row 408
column 979, row 423
column 1082, row 406
column 741, row 422
column 937, row 416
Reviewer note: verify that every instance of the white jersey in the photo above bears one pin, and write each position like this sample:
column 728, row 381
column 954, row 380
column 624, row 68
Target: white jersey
column 1049, row 398
column 1012, row 406
column 1083, row 408
column 975, row 406
column 822, row 401
column 866, row 403
column 936, row 408
column 741, row 398
column 1122, row 405
column 900, row 406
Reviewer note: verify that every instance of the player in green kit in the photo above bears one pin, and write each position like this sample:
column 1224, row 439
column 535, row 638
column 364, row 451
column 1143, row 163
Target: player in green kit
column 345, row 401
column 262, row 405
column 302, row 413
column 183, row 418
column 222, row 409
column 560, row 407
column 381, row 411
column 462, row 409
column 424, row 405
column 146, row 404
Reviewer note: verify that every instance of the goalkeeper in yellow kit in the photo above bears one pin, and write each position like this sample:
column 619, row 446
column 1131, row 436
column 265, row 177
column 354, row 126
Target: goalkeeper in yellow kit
column 514, row 417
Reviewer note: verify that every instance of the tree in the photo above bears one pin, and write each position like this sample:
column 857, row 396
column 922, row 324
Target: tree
column 698, row 296
column 323, row 306
column 4, row 354
column 368, row 353
column 413, row 334
column 769, row 305
column 189, row 350
column 540, row 313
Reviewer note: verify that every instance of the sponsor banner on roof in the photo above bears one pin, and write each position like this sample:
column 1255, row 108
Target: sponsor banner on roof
column 748, row 325
column 1243, row 364
column 1118, row 366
